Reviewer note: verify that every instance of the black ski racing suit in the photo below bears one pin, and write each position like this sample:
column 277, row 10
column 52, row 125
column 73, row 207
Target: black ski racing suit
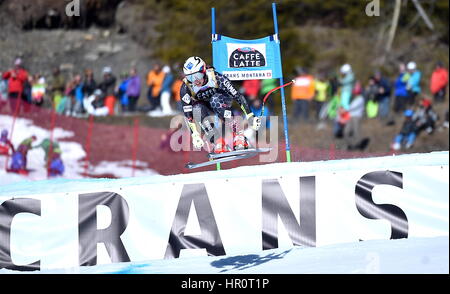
column 216, row 95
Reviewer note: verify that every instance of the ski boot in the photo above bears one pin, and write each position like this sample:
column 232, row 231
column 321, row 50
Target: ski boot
column 240, row 142
column 220, row 146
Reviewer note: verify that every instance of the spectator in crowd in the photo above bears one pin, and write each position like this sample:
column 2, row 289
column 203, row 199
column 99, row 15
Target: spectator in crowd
column 439, row 82
column 407, row 133
column 333, row 81
column 133, row 89
column 155, row 80
column 400, row 91
column 56, row 167
column 50, row 148
column 302, row 92
column 370, row 94
column 425, row 117
column 166, row 90
column 3, row 91
column 38, row 90
column 67, row 101
column 16, row 77
column 413, row 85
column 94, row 104
column 77, row 93
column 445, row 123
column 383, row 96
column 5, row 143
column 322, row 92
column 57, row 86
column 176, row 87
column 52, row 158
column 108, row 86
column 251, row 89
column 89, row 83
column 356, row 112
column 122, row 91
column 19, row 158
column 27, row 91
column 346, row 82
column 341, row 120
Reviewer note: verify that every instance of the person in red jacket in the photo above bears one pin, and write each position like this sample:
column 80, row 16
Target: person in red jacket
column 16, row 77
column 439, row 82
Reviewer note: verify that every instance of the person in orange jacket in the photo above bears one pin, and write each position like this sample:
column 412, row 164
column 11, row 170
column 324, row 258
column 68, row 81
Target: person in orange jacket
column 302, row 92
column 155, row 79
column 439, row 82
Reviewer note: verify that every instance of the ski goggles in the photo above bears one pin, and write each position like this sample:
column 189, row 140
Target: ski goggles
column 195, row 76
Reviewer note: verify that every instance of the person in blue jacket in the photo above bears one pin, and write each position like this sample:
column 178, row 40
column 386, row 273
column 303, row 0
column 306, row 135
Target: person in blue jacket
column 400, row 92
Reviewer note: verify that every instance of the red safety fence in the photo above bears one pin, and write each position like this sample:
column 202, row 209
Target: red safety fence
column 138, row 143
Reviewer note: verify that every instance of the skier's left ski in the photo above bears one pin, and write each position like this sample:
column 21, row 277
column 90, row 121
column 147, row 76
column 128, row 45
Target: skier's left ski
column 191, row 165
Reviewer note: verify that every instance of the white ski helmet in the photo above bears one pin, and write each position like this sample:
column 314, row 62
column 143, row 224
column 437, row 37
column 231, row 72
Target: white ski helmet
column 192, row 66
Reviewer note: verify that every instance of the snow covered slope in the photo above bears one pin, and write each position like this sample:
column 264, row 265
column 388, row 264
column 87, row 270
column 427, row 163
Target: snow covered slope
column 403, row 256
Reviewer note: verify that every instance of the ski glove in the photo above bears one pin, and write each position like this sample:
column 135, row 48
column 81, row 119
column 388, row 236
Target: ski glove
column 197, row 140
column 253, row 121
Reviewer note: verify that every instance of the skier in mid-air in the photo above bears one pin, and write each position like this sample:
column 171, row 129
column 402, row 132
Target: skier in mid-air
column 204, row 91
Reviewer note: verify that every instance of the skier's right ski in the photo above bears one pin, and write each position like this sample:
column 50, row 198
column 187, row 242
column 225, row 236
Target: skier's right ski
column 191, row 165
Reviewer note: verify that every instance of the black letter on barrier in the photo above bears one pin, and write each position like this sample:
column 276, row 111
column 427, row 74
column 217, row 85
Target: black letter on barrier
column 89, row 236
column 209, row 238
column 368, row 209
column 274, row 203
column 8, row 210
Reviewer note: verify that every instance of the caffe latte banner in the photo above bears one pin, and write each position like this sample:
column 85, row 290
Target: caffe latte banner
column 247, row 59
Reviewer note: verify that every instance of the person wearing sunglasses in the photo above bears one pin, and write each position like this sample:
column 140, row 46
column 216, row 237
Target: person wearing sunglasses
column 204, row 92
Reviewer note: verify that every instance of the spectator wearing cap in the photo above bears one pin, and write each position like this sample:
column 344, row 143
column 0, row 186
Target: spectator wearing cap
column 439, row 82
column 425, row 117
column 133, row 91
column 346, row 82
column 16, row 77
column 407, row 133
column 400, row 91
column 413, row 85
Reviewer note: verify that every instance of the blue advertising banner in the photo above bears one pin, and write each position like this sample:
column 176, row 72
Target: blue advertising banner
column 247, row 59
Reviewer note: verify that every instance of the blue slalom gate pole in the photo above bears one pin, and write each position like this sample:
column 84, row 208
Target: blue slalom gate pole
column 213, row 32
column 283, row 99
